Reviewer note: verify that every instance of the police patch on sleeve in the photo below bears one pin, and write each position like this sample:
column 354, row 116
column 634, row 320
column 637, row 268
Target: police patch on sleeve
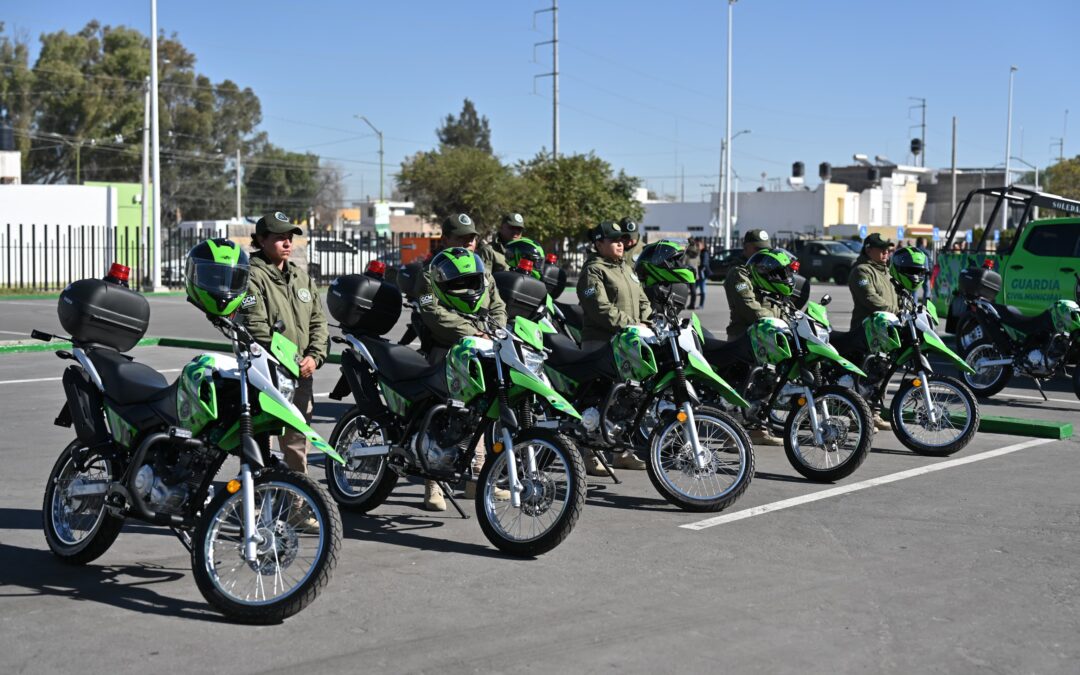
column 303, row 294
column 589, row 292
column 741, row 286
column 863, row 282
column 248, row 302
column 427, row 299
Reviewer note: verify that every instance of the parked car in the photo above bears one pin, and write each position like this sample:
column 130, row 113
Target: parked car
column 854, row 244
column 824, row 259
column 330, row 258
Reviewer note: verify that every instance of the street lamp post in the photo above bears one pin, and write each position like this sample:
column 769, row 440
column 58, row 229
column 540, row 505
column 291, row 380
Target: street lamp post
column 723, row 201
column 1035, row 212
column 379, row 134
column 727, row 135
column 77, row 144
column 1008, row 146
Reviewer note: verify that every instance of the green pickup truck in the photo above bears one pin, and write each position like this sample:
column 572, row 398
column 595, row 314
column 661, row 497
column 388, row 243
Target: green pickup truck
column 1040, row 265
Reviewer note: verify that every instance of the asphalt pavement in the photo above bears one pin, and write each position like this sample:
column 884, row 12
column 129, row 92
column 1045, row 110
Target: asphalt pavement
column 912, row 564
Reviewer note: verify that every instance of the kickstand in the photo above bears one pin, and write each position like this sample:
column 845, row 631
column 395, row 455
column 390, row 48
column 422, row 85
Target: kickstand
column 449, row 494
column 184, row 537
column 1038, row 385
column 607, row 467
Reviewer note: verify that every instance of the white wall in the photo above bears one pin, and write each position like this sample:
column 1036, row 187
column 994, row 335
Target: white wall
column 782, row 211
column 678, row 219
column 57, row 205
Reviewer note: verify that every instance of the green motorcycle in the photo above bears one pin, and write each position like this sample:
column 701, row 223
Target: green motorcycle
column 414, row 418
column 263, row 547
column 827, row 429
column 932, row 414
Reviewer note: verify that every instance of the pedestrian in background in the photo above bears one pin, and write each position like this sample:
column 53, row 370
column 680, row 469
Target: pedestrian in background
column 704, row 260
column 693, row 261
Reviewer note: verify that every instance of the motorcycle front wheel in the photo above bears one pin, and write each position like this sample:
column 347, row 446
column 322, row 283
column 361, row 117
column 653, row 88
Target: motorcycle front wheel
column 987, row 380
column 725, row 476
column 362, row 483
column 78, row 528
column 846, row 435
column 551, row 500
column 956, row 416
column 301, row 531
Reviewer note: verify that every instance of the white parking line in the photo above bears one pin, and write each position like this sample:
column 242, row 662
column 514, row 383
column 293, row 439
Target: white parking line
column 57, row 379
column 855, row 487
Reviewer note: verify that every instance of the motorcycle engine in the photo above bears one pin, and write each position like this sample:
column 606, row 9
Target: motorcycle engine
column 441, row 445
column 170, row 477
column 1043, row 361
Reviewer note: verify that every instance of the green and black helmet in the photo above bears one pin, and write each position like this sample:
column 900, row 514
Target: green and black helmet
column 773, row 270
column 909, row 267
column 457, row 276
column 665, row 274
column 217, row 276
column 525, row 249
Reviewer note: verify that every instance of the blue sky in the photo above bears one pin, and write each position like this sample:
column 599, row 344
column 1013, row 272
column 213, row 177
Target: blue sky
column 642, row 82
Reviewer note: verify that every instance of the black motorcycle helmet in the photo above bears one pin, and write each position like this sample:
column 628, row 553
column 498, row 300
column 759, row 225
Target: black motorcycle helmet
column 457, row 276
column 909, row 267
column 665, row 273
column 216, row 276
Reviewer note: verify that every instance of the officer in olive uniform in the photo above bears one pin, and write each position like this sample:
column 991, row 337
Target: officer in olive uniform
column 609, row 292
column 279, row 289
column 872, row 290
column 493, row 253
column 746, row 302
column 444, row 325
column 611, row 299
column 871, row 286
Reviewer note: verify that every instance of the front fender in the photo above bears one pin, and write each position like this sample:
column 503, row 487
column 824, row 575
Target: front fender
column 699, row 369
column 827, row 351
column 536, row 385
column 291, row 416
column 934, row 343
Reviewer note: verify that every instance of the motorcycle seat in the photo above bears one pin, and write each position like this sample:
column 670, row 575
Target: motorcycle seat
column 405, row 370
column 848, row 343
column 575, row 316
column 1013, row 317
column 718, row 351
column 127, row 381
column 577, row 363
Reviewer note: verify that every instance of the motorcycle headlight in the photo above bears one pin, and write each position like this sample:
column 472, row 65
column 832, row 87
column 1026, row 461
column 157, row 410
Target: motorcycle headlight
column 533, row 360
column 822, row 332
column 285, row 384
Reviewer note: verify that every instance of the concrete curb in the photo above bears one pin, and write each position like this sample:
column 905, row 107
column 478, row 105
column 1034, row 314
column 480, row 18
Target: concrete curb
column 1014, row 426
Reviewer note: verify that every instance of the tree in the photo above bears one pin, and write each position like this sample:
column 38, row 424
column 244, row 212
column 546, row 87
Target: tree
column 84, row 98
column 565, row 196
column 468, row 130
column 1063, row 178
column 459, row 180
column 279, row 180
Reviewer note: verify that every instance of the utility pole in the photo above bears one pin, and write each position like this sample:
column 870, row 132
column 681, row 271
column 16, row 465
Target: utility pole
column 1008, row 149
column 155, row 106
column 145, row 163
column 554, row 74
column 380, row 135
column 239, row 211
column 921, row 159
column 953, row 210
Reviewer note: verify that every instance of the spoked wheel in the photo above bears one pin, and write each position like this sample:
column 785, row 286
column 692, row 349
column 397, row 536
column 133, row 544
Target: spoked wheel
column 301, row 533
column 726, row 474
column 77, row 525
column 956, row 416
column 551, row 501
column 987, row 380
column 363, row 483
column 846, row 435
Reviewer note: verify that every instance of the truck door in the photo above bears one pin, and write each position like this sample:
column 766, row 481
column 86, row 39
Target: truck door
column 1042, row 266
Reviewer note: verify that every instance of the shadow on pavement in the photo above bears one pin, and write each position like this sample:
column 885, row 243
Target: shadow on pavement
column 33, row 573
column 598, row 495
column 30, row 519
column 764, row 475
column 398, row 531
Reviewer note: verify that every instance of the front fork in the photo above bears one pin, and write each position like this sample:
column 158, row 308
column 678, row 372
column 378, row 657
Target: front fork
column 815, row 420
column 252, row 538
column 701, row 458
column 516, row 488
column 931, row 413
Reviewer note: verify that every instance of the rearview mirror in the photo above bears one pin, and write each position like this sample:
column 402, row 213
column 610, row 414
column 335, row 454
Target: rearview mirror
column 826, row 299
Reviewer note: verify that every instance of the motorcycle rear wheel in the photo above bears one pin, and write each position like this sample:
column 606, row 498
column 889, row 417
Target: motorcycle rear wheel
column 78, row 529
column 302, row 531
column 363, row 484
column 909, row 416
column 988, row 380
column 836, row 458
column 551, row 503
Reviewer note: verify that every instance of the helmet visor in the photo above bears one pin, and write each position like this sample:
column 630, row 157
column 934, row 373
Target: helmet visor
column 916, row 273
column 220, row 281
